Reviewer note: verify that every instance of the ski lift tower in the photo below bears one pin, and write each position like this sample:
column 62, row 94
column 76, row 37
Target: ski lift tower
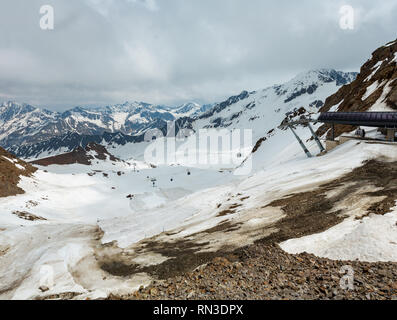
column 306, row 122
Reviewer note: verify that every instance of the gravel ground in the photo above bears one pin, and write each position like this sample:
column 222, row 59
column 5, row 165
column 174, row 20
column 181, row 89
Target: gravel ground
column 267, row 272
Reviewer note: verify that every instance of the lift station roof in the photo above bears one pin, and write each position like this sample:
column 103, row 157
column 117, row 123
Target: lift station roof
column 365, row 119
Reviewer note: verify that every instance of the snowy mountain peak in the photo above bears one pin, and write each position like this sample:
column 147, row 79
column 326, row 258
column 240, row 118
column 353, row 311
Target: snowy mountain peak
column 322, row 76
column 12, row 105
column 22, row 108
column 190, row 109
column 186, row 107
column 264, row 110
column 309, row 82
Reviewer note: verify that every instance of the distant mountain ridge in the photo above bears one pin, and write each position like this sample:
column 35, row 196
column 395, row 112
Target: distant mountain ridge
column 85, row 156
column 24, row 124
column 32, row 133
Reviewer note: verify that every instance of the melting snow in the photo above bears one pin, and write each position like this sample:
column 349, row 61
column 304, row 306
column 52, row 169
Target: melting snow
column 380, row 105
column 8, row 159
column 370, row 90
column 372, row 239
column 20, row 167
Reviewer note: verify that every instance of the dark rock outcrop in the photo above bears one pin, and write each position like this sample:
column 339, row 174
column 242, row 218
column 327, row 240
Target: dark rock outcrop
column 79, row 155
column 380, row 72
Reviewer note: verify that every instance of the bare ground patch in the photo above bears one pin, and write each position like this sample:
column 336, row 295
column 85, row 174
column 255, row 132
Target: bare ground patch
column 180, row 255
column 314, row 211
column 28, row 216
column 227, row 212
column 4, row 250
column 306, row 213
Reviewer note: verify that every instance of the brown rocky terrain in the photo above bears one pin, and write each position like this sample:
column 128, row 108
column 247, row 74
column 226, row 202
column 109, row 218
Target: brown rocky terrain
column 11, row 169
column 381, row 68
column 91, row 152
column 267, row 272
column 262, row 270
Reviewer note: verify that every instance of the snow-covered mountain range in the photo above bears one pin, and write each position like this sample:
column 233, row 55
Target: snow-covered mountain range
column 262, row 112
column 30, row 132
column 24, row 124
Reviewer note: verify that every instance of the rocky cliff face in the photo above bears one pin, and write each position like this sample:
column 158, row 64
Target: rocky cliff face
column 375, row 88
column 262, row 111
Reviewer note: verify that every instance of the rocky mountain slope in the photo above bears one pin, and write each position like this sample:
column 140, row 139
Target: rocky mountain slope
column 85, row 156
column 375, row 88
column 259, row 109
column 11, row 170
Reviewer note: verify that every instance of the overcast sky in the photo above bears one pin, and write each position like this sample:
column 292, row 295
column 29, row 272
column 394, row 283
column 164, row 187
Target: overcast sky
column 172, row 51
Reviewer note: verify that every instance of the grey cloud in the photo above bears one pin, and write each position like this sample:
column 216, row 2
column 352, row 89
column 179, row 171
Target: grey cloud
column 169, row 51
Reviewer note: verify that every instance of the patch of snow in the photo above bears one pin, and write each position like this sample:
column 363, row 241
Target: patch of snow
column 375, row 70
column 372, row 239
column 380, row 104
column 10, row 160
column 19, row 166
column 390, row 44
column 335, row 107
column 370, row 90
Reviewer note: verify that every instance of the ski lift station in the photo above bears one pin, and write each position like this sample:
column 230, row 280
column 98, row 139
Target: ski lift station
column 386, row 122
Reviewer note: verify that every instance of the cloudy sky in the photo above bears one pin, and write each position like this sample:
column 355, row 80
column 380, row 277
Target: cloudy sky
column 172, row 51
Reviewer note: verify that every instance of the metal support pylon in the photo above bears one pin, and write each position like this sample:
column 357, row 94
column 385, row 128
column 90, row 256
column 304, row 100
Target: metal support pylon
column 320, row 145
column 309, row 155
